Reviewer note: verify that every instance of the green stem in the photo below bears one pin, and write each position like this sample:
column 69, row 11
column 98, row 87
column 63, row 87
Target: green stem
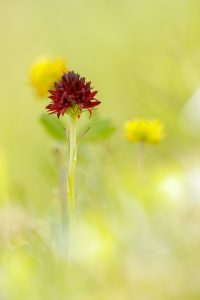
column 140, row 161
column 72, row 165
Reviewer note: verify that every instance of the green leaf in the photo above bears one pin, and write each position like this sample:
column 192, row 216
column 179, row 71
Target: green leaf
column 53, row 126
column 100, row 129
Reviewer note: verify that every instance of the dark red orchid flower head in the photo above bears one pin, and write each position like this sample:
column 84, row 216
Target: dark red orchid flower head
column 72, row 94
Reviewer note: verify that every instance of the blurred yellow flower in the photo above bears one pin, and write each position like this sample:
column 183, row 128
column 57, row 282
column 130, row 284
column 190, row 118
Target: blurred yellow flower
column 144, row 130
column 44, row 72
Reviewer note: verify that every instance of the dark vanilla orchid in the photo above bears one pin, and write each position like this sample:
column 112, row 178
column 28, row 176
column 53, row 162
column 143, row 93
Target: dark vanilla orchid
column 72, row 94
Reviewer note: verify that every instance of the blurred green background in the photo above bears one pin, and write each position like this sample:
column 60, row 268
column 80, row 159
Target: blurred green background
column 135, row 238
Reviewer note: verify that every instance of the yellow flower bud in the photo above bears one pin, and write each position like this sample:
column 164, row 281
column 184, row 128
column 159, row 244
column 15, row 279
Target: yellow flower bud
column 144, row 130
column 45, row 72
